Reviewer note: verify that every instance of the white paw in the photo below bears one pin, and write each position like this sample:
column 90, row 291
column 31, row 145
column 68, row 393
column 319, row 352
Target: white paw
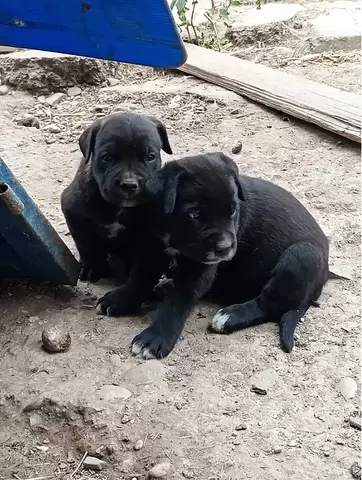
column 99, row 309
column 219, row 320
column 137, row 349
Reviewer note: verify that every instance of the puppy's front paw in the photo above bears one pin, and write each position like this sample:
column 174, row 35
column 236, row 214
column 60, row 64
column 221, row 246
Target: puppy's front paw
column 152, row 344
column 220, row 321
column 116, row 303
column 93, row 273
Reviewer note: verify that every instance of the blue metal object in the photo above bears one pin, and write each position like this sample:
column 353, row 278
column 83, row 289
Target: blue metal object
column 29, row 246
column 132, row 31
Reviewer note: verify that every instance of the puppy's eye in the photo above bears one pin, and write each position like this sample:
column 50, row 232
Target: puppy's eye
column 194, row 213
column 150, row 157
column 106, row 158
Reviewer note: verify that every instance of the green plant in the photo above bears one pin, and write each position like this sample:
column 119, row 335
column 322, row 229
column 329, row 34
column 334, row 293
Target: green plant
column 216, row 15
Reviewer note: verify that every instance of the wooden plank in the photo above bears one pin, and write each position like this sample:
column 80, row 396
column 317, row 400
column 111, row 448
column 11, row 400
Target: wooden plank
column 325, row 106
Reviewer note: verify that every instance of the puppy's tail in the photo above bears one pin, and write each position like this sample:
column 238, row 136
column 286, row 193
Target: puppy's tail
column 287, row 326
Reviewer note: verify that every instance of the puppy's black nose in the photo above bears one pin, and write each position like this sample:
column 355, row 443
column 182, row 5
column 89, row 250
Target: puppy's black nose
column 223, row 247
column 129, row 186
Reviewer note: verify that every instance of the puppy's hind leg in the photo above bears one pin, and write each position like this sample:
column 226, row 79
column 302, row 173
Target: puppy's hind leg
column 296, row 281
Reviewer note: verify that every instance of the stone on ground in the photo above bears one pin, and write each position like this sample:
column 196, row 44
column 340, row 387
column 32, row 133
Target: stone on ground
column 47, row 72
column 269, row 14
column 339, row 29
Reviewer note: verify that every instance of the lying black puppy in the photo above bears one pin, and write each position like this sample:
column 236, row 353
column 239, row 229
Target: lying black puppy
column 244, row 242
column 104, row 204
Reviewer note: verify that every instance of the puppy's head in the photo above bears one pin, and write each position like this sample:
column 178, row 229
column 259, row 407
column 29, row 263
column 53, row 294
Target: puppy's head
column 201, row 198
column 124, row 150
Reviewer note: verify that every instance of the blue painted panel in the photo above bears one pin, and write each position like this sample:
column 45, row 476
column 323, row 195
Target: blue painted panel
column 132, row 31
column 29, row 246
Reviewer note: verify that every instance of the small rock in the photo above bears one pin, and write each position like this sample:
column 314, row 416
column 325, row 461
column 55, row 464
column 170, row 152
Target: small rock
column 56, row 98
column 54, row 340
column 277, row 450
column 146, row 373
column 42, row 448
column 175, row 102
column 35, row 420
column 237, row 148
column 355, row 422
column 263, row 381
column 241, row 426
column 34, row 405
column 74, row 91
column 53, row 128
column 109, row 392
column 4, row 90
column 138, row 445
column 41, row 99
column 115, row 360
column 100, row 108
column 292, row 443
column 258, row 390
column 112, row 81
column 356, row 470
column 348, row 388
column 188, row 473
column 27, row 120
column 93, row 463
column 160, row 470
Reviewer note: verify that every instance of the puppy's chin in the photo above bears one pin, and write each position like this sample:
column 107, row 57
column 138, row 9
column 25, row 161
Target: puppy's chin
column 212, row 259
column 122, row 202
column 128, row 203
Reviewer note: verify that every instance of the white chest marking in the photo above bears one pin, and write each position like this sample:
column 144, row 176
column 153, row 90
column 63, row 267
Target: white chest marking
column 113, row 229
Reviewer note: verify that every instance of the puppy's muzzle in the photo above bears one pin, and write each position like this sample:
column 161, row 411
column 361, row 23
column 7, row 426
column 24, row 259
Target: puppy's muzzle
column 223, row 250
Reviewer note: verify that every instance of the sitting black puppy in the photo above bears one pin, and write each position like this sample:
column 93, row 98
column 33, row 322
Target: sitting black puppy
column 104, row 204
column 244, row 242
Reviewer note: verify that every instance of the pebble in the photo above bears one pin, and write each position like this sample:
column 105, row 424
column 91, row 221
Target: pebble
column 4, row 90
column 100, row 107
column 42, row 448
column 138, row 445
column 356, row 470
column 355, row 422
column 93, row 463
column 112, row 81
column 53, row 128
column 109, row 392
column 74, row 91
column 146, row 373
column 34, row 405
column 188, row 473
column 348, row 388
column 27, row 120
column 237, row 148
column 241, row 426
column 115, row 360
column 55, row 341
column 56, row 98
column 277, row 450
column 160, row 470
column 263, row 381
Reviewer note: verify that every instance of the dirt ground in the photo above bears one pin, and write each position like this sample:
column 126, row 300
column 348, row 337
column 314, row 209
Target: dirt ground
column 195, row 409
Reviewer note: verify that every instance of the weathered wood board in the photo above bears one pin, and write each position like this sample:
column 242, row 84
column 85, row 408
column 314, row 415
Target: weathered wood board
column 322, row 105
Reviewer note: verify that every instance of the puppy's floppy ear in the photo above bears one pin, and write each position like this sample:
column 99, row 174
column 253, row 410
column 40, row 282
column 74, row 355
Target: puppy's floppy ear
column 230, row 162
column 163, row 184
column 163, row 135
column 87, row 140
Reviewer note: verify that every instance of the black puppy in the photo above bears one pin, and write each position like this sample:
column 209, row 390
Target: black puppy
column 104, row 204
column 244, row 242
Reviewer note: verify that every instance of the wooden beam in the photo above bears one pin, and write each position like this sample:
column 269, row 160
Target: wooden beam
column 325, row 106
